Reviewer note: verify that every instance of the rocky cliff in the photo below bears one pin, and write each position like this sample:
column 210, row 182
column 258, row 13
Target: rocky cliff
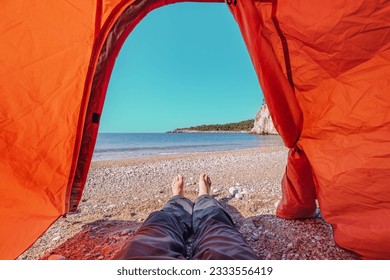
column 263, row 123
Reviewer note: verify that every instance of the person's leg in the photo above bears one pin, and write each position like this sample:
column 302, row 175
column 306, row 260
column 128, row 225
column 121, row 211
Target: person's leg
column 163, row 234
column 215, row 234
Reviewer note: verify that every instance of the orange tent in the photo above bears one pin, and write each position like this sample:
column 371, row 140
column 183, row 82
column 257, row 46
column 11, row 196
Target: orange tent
column 324, row 69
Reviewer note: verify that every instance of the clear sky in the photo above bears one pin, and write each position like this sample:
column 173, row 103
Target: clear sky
column 183, row 65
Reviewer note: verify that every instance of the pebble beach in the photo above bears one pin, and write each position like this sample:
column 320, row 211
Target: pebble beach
column 120, row 194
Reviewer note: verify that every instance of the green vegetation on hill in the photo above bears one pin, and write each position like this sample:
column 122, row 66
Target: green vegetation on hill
column 238, row 126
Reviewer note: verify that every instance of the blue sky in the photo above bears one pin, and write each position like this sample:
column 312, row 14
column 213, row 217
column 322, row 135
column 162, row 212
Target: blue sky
column 183, row 65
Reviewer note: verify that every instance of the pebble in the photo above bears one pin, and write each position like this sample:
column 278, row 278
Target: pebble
column 126, row 231
column 255, row 237
column 111, row 206
column 56, row 257
column 56, row 238
column 233, row 190
column 238, row 195
column 101, row 257
column 289, row 245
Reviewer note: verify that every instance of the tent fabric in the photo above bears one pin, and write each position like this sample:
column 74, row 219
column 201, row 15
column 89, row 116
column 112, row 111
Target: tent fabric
column 336, row 56
column 45, row 47
column 324, row 69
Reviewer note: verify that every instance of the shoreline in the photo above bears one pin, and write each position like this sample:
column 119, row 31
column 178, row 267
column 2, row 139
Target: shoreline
column 165, row 146
column 157, row 157
column 208, row 131
column 120, row 194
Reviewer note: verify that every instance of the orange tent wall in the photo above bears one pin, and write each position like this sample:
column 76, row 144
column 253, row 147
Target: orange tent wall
column 336, row 57
column 45, row 49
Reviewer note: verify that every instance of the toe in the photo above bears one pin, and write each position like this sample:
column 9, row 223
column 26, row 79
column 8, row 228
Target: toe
column 180, row 179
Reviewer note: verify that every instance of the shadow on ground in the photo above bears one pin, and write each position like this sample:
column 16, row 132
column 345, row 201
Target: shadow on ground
column 280, row 239
column 98, row 240
column 269, row 236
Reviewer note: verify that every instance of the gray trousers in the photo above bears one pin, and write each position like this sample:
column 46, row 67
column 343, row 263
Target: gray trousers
column 164, row 233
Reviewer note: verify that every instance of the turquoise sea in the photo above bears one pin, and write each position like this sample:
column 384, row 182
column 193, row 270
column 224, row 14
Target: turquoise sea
column 110, row 146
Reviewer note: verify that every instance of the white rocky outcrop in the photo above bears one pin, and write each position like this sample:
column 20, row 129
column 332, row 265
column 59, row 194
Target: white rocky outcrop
column 263, row 123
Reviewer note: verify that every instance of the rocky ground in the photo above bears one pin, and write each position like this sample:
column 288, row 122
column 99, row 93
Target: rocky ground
column 119, row 195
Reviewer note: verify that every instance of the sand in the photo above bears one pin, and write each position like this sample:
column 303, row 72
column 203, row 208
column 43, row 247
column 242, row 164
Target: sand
column 120, row 194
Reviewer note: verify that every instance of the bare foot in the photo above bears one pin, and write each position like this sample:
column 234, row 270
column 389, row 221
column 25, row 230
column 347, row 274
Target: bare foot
column 204, row 184
column 178, row 185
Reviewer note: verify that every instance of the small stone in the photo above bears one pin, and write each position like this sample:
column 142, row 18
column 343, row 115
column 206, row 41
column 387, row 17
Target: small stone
column 215, row 190
column 237, row 184
column 101, row 257
column 111, row 206
column 233, row 190
column 56, row 257
column 276, row 204
column 255, row 237
column 244, row 191
column 318, row 238
column 56, row 238
column 289, row 245
column 238, row 195
column 125, row 231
